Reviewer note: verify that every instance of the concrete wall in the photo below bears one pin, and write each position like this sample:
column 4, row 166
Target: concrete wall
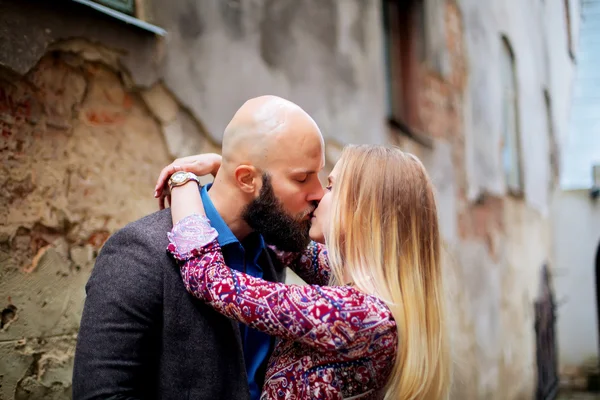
column 576, row 227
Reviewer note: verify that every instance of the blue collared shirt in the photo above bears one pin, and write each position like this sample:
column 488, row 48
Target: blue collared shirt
column 242, row 256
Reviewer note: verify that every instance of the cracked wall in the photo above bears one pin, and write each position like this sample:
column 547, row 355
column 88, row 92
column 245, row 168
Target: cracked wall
column 79, row 156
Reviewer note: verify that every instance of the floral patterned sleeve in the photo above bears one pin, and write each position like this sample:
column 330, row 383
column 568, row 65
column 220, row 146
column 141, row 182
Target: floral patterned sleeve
column 312, row 265
column 329, row 318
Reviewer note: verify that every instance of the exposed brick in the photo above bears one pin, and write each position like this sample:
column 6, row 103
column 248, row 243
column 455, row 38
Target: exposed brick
column 79, row 155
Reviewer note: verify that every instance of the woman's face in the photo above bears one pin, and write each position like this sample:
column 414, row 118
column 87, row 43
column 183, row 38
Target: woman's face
column 321, row 217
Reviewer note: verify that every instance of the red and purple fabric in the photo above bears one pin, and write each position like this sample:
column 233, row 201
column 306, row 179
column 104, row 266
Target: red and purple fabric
column 337, row 342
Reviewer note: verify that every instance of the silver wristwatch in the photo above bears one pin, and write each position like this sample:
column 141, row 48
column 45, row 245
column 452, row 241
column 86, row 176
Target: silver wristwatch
column 181, row 178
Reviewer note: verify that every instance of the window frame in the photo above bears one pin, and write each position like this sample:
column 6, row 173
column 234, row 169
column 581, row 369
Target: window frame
column 404, row 40
column 511, row 150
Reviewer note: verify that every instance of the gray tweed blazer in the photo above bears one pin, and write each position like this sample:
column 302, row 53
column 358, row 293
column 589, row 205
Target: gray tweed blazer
column 142, row 336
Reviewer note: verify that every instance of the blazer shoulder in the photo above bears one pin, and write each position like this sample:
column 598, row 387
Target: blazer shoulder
column 136, row 252
column 153, row 225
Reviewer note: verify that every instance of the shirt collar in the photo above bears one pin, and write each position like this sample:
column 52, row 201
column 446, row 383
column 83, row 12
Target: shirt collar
column 253, row 244
column 225, row 235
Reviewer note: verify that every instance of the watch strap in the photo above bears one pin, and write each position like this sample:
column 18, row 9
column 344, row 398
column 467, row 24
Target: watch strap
column 189, row 176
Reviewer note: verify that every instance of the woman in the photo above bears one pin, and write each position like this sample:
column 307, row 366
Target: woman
column 371, row 322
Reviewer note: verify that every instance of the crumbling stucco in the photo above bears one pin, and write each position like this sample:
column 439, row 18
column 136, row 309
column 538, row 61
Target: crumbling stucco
column 38, row 368
column 80, row 153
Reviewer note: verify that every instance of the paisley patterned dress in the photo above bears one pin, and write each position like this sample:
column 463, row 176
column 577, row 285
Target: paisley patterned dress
column 336, row 342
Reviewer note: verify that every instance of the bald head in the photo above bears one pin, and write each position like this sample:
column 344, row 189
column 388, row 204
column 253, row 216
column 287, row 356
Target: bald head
column 264, row 129
column 268, row 180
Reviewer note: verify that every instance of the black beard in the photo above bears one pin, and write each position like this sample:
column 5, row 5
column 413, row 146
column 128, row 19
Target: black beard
column 266, row 215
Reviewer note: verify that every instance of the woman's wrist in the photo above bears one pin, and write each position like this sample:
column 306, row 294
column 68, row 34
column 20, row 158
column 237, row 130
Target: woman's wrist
column 191, row 236
column 186, row 186
column 185, row 200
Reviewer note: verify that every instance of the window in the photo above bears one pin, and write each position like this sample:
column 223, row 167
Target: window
column 402, row 23
column 415, row 36
column 435, row 43
column 511, row 152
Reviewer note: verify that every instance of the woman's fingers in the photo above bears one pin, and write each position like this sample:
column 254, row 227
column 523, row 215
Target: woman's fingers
column 163, row 193
column 163, row 176
column 161, row 183
column 198, row 167
column 201, row 165
column 164, row 199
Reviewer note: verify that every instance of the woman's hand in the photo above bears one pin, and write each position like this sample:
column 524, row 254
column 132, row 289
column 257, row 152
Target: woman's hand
column 201, row 164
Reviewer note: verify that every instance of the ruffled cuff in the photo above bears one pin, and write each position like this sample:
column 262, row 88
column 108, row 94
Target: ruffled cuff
column 191, row 236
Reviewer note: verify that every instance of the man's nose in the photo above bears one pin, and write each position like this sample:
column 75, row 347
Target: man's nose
column 316, row 194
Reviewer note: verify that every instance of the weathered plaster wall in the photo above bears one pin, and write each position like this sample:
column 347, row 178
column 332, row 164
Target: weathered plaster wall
column 79, row 157
column 537, row 33
column 324, row 55
column 501, row 242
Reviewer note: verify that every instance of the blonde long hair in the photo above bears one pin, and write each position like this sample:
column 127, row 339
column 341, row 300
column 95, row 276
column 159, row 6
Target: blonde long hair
column 384, row 239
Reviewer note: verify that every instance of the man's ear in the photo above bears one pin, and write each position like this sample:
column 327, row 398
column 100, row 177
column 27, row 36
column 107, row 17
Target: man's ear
column 247, row 178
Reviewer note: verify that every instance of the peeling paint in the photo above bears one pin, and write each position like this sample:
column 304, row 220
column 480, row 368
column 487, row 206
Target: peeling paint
column 81, row 152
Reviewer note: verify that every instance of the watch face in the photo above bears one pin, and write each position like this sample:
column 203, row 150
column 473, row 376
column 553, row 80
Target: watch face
column 178, row 177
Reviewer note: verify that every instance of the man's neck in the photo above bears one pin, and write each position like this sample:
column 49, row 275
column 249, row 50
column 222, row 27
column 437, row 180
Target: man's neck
column 230, row 209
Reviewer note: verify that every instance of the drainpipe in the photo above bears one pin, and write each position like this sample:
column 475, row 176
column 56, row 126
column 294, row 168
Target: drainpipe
column 595, row 190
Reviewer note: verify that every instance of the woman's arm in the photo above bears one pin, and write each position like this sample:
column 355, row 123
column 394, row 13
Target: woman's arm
column 312, row 265
column 201, row 164
column 329, row 318
column 185, row 201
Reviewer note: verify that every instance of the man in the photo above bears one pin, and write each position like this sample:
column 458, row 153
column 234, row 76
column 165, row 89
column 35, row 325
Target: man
column 142, row 335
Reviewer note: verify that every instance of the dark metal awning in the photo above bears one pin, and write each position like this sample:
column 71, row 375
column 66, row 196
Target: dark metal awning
column 118, row 10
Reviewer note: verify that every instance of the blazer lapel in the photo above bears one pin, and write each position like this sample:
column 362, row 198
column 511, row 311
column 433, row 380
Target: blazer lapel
column 273, row 271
